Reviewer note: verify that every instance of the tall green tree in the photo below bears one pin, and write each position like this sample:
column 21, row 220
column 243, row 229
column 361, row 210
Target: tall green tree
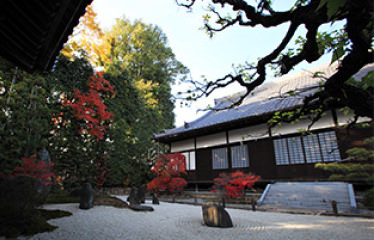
column 76, row 154
column 143, row 51
column 141, row 69
column 24, row 115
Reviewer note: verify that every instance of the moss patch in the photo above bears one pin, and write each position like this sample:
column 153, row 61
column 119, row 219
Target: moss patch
column 51, row 214
column 29, row 222
column 99, row 199
column 106, row 200
column 61, row 197
column 33, row 221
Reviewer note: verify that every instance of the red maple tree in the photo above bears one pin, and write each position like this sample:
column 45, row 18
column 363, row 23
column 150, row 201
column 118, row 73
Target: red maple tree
column 169, row 169
column 233, row 184
column 35, row 169
column 102, row 171
column 90, row 108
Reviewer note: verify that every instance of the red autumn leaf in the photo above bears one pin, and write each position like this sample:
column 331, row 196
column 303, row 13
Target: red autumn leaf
column 169, row 169
column 234, row 184
column 36, row 169
column 90, row 108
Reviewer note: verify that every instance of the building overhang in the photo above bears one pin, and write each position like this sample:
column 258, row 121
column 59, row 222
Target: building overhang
column 33, row 32
column 225, row 126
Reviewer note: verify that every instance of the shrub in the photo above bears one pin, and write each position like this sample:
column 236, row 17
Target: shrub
column 168, row 170
column 369, row 198
column 233, row 184
column 20, row 194
column 35, row 169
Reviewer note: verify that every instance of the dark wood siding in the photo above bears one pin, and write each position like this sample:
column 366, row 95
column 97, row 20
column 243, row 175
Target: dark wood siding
column 262, row 160
column 204, row 165
column 191, row 175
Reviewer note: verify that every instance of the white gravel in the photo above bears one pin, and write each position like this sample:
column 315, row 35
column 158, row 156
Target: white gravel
column 179, row 221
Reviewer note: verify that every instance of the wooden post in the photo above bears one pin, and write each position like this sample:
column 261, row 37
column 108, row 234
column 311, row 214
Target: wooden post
column 223, row 202
column 253, row 202
column 196, row 192
column 334, row 207
column 174, row 196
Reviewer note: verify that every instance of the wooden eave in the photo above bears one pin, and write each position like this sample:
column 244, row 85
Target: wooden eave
column 33, row 32
column 226, row 126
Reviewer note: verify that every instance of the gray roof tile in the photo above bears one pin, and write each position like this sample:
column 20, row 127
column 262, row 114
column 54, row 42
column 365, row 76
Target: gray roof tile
column 267, row 98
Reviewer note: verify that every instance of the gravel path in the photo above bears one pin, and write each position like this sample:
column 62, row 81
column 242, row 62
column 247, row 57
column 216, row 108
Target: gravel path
column 180, row 221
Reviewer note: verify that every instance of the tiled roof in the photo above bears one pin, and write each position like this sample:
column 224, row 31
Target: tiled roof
column 264, row 100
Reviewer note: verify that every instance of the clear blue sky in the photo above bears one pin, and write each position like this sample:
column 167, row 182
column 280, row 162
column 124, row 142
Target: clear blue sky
column 211, row 57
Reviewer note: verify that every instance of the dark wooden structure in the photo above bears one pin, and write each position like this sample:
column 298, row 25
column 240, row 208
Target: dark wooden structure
column 263, row 160
column 32, row 32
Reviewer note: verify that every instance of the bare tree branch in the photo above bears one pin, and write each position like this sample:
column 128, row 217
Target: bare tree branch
column 311, row 14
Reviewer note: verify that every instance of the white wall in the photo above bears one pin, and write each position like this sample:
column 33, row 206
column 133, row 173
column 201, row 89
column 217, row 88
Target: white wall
column 211, row 140
column 345, row 119
column 288, row 128
column 249, row 133
column 184, row 145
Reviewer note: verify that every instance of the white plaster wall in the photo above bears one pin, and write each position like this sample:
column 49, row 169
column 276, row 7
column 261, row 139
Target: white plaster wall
column 211, row 140
column 346, row 119
column 288, row 128
column 184, row 145
column 325, row 122
column 192, row 160
column 249, row 133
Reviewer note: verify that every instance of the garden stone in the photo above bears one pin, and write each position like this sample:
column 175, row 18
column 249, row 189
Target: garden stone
column 43, row 155
column 138, row 207
column 137, row 196
column 141, row 193
column 134, row 196
column 86, row 196
column 43, row 189
column 155, row 199
column 215, row 215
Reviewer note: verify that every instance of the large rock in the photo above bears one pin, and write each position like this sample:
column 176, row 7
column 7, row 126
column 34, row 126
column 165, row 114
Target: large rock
column 141, row 193
column 86, row 196
column 136, row 197
column 155, row 199
column 133, row 198
column 215, row 215
column 43, row 189
column 138, row 207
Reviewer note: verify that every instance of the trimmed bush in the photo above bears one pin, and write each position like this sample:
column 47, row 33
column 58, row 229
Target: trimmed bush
column 369, row 198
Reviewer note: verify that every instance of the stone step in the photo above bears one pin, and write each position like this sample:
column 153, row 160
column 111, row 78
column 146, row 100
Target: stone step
column 317, row 202
column 309, row 203
column 314, row 195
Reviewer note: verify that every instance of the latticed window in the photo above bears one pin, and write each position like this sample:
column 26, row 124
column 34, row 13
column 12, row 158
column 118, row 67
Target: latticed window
column 312, row 149
column 329, row 149
column 220, row 158
column 281, row 151
column 239, row 156
column 295, row 150
column 321, row 147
